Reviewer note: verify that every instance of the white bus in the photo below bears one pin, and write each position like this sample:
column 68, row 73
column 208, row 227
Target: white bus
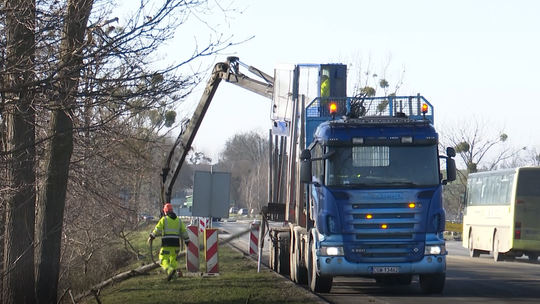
column 502, row 213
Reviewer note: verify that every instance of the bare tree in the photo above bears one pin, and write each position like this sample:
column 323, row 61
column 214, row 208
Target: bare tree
column 18, row 145
column 474, row 139
column 92, row 77
column 245, row 155
column 367, row 79
column 530, row 157
column 52, row 196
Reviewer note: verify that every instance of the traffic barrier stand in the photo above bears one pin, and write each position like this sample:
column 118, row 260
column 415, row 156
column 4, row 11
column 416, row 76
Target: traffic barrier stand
column 253, row 238
column 192, row 250
column 211, row 251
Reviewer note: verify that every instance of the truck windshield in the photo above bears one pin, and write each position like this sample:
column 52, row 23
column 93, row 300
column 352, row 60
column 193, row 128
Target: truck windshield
column 390, row 166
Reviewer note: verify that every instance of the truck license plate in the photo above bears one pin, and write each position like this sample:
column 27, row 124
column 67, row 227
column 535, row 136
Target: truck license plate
column 385, row 270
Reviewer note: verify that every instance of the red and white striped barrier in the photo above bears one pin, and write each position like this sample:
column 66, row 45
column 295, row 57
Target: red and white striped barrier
column 253, row 238
column 204, row 222
column 192, row 250
column 211, row 246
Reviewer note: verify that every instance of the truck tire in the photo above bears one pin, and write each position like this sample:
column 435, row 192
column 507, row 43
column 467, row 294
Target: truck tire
column 432, row 283
column 298, row 272
column 294, row 278
column 272, row 254
column 283, row 259
column 316, row 283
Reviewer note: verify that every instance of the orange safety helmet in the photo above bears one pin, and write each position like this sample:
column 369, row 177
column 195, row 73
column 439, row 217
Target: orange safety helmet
column 167, row 208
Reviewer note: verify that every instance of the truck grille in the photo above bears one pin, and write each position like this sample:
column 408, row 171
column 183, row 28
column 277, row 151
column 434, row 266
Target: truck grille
column 385, row 230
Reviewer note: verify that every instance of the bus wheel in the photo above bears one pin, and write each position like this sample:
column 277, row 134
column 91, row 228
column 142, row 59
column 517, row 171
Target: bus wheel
column 533, row 257
column 473, row 253
column 432, row 283
column 498, row 257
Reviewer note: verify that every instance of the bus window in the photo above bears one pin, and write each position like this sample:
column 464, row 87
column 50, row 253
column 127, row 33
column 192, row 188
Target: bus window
column 527, row 183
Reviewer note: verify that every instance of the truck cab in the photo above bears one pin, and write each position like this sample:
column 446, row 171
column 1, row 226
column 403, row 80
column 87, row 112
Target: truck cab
column 375, row 199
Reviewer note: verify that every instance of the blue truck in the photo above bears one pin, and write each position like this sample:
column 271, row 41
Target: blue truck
column 357, row 182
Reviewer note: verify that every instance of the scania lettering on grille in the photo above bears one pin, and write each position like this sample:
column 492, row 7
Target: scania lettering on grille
column 384, row 196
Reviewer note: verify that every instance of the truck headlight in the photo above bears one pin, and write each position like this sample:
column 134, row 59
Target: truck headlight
column 434, row 250
column 332, row 250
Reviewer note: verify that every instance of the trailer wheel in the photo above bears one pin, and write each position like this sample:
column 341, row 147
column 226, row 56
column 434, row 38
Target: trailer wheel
column 316, row 283
column 283, row 253
column 293, row 264
column 298, row 272
column 272, row 254
column 432, row 283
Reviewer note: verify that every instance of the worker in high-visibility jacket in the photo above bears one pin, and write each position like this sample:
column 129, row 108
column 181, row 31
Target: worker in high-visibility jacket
column 172, row 230
column 325, row 86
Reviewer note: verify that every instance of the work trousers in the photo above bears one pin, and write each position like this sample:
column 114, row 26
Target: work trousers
column 167, row 255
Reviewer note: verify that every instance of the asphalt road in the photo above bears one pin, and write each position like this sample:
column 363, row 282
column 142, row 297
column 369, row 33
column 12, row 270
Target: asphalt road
column 469, row 280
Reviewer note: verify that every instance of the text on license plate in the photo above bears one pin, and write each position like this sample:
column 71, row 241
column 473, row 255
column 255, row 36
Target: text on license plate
column 384, row 269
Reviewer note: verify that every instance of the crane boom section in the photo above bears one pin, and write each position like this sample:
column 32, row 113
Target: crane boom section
column 230, row 72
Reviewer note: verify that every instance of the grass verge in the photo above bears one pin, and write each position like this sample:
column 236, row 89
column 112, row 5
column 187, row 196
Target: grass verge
column 237, row 282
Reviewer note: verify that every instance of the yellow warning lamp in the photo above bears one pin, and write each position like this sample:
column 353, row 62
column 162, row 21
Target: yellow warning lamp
column 412, row 205
column 369, row 216
column 384, row 226
column 333, row 108
column 424, row 108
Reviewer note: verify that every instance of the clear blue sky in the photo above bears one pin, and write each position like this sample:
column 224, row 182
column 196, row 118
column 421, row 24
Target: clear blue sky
column 470, row 59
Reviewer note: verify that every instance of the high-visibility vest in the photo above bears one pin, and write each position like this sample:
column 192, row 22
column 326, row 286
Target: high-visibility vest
column 325, row 88
column 171, row 231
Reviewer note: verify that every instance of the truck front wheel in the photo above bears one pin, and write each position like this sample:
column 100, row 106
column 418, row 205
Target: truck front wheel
column 316, row 282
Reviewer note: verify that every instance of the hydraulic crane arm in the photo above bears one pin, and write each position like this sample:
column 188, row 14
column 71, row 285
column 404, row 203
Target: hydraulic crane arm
column 236, row 77
column 230, row 72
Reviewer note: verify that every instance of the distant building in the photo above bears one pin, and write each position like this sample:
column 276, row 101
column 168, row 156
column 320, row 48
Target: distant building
column 182, row 206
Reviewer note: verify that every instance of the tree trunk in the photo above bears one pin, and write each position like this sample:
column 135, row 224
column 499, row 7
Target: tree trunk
column 18, row 263
column 52, row 195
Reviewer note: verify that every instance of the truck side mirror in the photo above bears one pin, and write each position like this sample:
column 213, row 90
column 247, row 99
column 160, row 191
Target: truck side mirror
column 305, row 171
column 450, row 169
column 451, row 152
column 305, row 166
